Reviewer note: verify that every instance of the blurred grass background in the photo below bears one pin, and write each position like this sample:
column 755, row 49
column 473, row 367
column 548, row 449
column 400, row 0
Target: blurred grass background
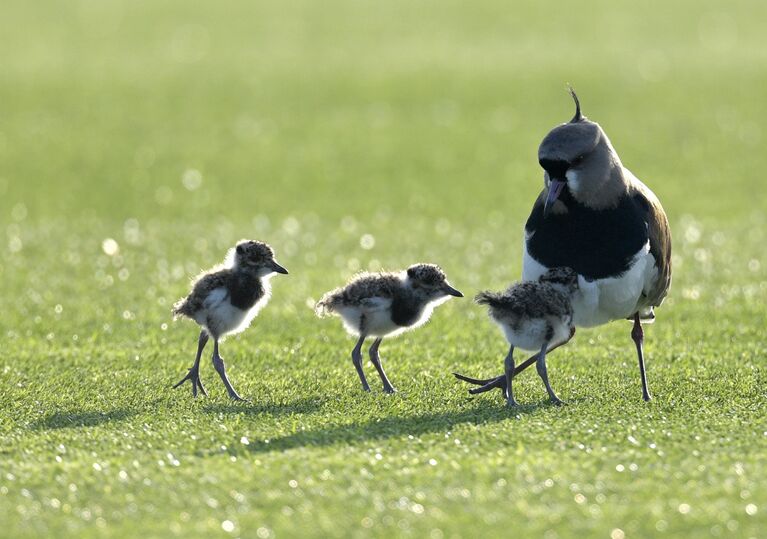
column 360, row 135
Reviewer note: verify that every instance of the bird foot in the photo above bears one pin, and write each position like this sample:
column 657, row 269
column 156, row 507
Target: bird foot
column 475, row 381
column 499, row 382
column 194, row 376
column 558, row 402
column 390, row 390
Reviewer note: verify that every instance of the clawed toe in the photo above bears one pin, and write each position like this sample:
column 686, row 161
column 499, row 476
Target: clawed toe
column 202, row 387
column 194, row 376
column 475, row 381
column 494, row 383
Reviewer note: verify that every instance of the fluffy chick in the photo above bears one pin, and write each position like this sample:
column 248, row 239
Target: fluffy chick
column 386, row 304
column 225, row 299
column 534, row 315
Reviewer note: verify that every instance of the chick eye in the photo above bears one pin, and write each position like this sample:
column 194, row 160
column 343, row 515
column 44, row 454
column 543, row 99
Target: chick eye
column 578, row 160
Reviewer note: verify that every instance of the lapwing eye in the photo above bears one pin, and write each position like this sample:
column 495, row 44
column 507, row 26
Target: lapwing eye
column 578, row 160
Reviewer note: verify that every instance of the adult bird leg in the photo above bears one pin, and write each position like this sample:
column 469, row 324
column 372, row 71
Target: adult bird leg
column 637, row 334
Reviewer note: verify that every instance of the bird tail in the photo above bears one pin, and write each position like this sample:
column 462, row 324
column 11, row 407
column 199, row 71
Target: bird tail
column 326, row 306
column 492, row 299
column 181, row 308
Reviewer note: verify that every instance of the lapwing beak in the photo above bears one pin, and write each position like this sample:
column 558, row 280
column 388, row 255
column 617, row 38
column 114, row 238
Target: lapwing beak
column 555, row 189
column 277, row 268
column 450, row 291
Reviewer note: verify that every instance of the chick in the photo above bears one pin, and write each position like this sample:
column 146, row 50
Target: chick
column 225, row 299
column 386, row 304
column 534, row 315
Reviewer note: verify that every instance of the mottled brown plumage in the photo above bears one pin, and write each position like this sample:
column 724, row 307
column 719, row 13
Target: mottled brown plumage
column 534, row 310
column 526, row 300
column 203, row 285
column 361, row 287
column 419, row 284
column 659, row 232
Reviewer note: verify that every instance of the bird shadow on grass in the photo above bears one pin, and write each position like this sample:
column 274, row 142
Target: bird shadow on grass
column 68, row 420
column 389, row 427
column 302, row 406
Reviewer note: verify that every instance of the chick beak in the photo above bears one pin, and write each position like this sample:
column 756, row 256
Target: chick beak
column 450, row 291
column 555, row 189
column 277, row 268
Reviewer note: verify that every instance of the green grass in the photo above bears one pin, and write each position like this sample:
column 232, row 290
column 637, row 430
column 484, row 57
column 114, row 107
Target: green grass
column 311, row 125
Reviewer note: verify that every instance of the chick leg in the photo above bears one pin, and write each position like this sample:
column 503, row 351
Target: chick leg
column 509, row 364
column 218, row 364
column 357, row 360
column 638, row 336
column 499, row 382
column 194, row 372
column 543, row 373
column 376, row 360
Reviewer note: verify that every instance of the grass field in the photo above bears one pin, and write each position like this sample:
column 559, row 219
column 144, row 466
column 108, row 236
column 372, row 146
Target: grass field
column 177, row 128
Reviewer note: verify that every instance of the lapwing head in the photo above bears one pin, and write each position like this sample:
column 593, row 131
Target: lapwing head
column 577, row 157
column 257, row 256
column 429, row 280
column 563, row 277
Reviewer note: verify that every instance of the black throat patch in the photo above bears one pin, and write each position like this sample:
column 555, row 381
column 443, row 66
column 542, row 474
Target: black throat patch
column 406, row 309
column 595, row 243
column 244, row 290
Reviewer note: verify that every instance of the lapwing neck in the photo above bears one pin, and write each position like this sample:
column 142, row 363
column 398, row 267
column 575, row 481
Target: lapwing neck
column 247, row 273
column 602, row 193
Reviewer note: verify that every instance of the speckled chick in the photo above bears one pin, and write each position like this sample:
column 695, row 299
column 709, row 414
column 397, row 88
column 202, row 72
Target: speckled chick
column 534, row 315
column 225, row 300
column 386, row 304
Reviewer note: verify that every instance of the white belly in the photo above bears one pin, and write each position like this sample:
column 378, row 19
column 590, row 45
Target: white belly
column 377, row 322
column 219, row 317
column 377, row 313
column 603, row 300
column 531, row 335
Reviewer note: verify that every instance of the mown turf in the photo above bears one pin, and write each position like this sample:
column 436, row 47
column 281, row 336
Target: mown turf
column 176, row 128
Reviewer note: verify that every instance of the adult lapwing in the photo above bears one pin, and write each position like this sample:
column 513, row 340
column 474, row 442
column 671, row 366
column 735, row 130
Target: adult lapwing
column 596, row 217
